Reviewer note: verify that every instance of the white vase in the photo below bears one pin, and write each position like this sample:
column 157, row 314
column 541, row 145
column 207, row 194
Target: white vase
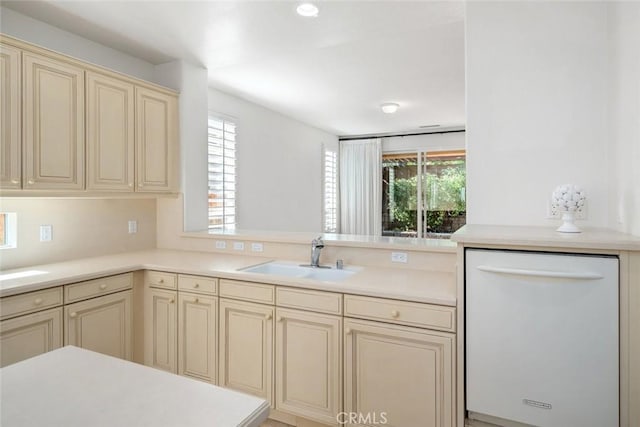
column 567, row 225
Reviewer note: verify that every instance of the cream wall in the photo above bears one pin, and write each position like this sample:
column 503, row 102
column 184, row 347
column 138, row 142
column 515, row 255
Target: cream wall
column 537, row 97
column 81, row 228
column 624, row 127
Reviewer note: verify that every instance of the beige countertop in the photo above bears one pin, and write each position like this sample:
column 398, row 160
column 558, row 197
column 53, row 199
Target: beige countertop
column 404, row 284
column 546, row 237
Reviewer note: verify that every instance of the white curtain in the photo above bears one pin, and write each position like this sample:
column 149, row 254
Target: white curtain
column 361, row 187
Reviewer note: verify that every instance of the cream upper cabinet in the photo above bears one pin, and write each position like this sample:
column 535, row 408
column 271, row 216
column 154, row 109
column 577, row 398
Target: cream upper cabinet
column 27, row 336
column 156, row 140
column 110, row 133
column 160, row 329
column 246, row 347
column 10, row 133
column 398, row 376
column 197, row 336
column 53, row 123
column 309, row 364
column 101, row 324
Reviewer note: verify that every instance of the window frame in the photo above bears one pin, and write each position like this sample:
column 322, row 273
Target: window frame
column 225, row 224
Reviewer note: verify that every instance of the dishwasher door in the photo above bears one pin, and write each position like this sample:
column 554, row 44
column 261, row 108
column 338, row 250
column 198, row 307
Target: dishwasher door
column 542, row 338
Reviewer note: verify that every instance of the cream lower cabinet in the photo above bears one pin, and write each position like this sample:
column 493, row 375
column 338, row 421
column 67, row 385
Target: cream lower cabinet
column 308, row 364
column 246, row 347
column 27, row 336
column 197, row 336
column 398, row 376
column 160, row 330
column 101, row 324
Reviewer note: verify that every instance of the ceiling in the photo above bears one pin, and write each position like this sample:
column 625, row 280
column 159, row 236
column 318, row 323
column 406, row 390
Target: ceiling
column 332, row 71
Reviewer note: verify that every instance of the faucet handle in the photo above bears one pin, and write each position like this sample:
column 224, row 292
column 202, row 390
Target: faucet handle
column 317, row 241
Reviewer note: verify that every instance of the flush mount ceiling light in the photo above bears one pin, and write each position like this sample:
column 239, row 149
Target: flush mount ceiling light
column 308, row 10
column 389, row 107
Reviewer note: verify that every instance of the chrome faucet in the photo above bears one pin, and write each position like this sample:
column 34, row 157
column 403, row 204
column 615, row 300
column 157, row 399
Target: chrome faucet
column 316, row 246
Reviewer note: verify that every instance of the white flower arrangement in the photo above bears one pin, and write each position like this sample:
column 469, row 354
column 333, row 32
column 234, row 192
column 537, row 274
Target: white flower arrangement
column 568, row 198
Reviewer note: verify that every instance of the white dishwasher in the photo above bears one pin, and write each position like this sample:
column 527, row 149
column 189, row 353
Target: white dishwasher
column 541, row 338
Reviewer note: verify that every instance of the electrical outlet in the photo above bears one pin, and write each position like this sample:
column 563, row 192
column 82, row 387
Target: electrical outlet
column 238, row 246
column 133, row 226
column 46, row 233
column 399, row 257
column 221, row 244
column 256, row 247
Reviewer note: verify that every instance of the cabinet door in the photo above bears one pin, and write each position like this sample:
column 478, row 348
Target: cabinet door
column 197, row 336
column 10, row 99
column 27, row 336
column 110, row 137
column 156, row 140
column 246, row 347
column 53, row 123
column 309, row 364
column 101, row 324
column 400, row 375
column 160, row 330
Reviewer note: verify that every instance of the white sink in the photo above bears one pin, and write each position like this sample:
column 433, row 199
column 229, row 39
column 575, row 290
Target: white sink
column 278, row 268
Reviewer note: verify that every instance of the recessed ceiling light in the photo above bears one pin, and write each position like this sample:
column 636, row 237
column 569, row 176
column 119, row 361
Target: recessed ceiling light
column 389, row 107
column 308, row 10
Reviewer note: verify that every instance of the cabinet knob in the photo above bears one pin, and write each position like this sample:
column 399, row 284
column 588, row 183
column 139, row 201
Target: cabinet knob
column 267, row 316
column 280, row 319
column 130, row 184
column 347, row 331
column 161, row 281
column 395, row 314
column 197, row 285
column 15, row 181
column 140, row 185
column 37, row 301
column 30, row 182
column 103, row 286
column 197, row 300
column 172, row 300
column 73, row 314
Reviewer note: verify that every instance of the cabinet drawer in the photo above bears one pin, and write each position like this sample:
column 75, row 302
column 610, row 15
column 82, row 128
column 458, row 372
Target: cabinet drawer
column 323, row 302
column 247, row 291
column 28, row 303
column 401, row 312
column 93, row 288
column 159, row 279
column 198, row 284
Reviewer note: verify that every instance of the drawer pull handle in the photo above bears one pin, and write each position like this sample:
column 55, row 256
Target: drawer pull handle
column 37, row 301
column 73, row 314
column 103, row 286
column 267, row 316
column 395, row 314
column 347, row 331
column 197, row 285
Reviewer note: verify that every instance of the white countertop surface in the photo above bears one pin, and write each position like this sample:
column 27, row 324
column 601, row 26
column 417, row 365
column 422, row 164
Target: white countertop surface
column 590, row 238
column 405, row 284
column 75, row 387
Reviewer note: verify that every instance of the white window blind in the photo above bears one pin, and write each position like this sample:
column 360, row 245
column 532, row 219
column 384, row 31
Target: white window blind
column 222, row 174
column 330, row 191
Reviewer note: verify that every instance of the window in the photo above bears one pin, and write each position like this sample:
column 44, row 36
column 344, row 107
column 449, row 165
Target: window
column 330, row 191
column 222, row 174
column 423, row 193
column 8, row 230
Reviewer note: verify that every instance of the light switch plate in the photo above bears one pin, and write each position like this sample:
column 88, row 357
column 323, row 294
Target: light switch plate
column 399, row 257
column 221, row 244
column 238, row 246
column 133, row 226
column 46, row 233
column 256, row 247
